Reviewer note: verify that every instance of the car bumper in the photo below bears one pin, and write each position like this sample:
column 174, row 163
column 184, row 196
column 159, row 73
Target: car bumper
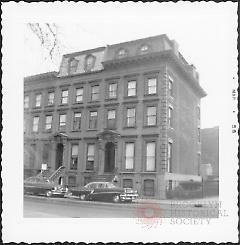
column 128, row 196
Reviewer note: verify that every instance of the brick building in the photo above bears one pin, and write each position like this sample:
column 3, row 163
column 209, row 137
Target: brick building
column 130, row 109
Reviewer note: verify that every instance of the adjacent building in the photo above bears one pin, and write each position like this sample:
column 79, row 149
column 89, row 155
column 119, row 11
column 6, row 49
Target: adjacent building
column 130, row 110
column 210, row 150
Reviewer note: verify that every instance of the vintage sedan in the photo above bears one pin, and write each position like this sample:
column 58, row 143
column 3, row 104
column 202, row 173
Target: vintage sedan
column 37, row 186
column 104, row 191
column 46, row 183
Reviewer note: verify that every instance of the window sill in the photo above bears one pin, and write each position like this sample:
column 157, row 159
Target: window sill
column 150, row 126
column 130, row 97
column 37, row 108
column 78, row 103
column 92, row 129
column 149, row 172
column 93, row 101
column 149, row 98
column 76, row 130
column 150, row 95
column 128, row 172
column 129, row 127
column 111, row 99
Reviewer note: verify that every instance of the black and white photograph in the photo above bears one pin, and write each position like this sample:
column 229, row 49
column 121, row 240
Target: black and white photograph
column 120, row 122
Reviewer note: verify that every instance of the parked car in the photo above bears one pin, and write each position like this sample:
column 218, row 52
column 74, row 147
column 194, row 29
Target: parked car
column 38, row 186
column 104, row 191
column 45, row 184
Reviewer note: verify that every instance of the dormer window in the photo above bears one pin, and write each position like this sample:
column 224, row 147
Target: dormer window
column 89, row 62
column 72, row 65
column 144, row 48
column 121, row 53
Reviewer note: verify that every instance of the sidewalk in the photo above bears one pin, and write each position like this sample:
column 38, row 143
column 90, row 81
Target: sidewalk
column 203, row 202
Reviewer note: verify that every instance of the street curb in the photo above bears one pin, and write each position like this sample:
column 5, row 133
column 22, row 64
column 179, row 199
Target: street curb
column 75, row 200
column 134, row 204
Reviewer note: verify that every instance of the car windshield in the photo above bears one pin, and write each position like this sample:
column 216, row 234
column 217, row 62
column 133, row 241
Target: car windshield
column 111, row 185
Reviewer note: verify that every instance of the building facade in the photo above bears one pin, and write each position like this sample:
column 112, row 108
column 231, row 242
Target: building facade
column 130, row 110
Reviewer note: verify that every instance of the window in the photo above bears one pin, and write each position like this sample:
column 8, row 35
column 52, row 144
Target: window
column 150, row 156
column 199, row 134
column 152, row 86
column 131, row 117
column 111, row 119
column 148, row 187
column 50, row 98
column 35, row 124
column 62, row 122
column 129, row 155
column 72, row 181
column 95, row 92
column 89, row 62
column 79, row 95
column 26, row 101
column 169, row 185
column 74, row 157
column 170, row 86
column 131, row 88
column 121, row 53
column 112, row 91
column 48, row 123
column 77, row 121
column 90, row 157
column 38, row 100
column 73, row 64
column 169, row 159
column 127, row 183
column 64, row 98
column 144, row 48
column 93, row 120
column 151, row 115
column 170, row 111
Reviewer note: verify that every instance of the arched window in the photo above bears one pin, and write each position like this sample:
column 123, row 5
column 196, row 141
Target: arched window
column 144, row 49
column 121, row 53
column 89, row 62
column 72, row 65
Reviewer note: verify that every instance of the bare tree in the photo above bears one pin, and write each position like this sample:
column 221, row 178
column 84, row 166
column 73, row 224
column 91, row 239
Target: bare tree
column 48, row 35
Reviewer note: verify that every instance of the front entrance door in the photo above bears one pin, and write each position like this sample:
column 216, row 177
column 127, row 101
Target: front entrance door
column 59, row 155
column 109, row 157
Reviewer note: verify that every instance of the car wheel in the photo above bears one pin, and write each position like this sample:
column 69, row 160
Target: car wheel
column 48, row 193
column 116, row 198
column 82, row 197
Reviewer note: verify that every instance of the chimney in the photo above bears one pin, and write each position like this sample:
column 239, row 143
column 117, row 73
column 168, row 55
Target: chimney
column 175, row 47
column 194, row 72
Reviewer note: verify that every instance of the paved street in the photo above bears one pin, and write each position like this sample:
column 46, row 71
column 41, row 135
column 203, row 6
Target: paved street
column 37, row 207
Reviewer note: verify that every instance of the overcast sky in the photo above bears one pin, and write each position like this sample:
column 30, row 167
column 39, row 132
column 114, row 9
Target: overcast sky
column 206, row 34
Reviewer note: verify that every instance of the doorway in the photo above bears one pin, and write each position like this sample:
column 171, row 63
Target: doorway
column 109, row 157
column 59, row 155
